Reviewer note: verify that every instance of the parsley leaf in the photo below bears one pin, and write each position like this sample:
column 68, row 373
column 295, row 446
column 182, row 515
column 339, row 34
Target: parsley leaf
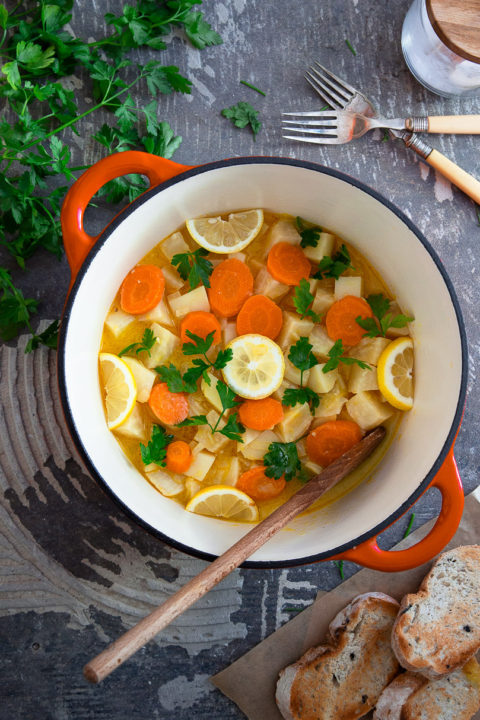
column 194, row 420
column 156, row 450
column 243, row 114
column 199, row 32
column 49, row 338
column 302, row 357
column 336, row 357
column 299, row 396
column 281, row 459
column 310, row 235
column 199, row 345
column 333, row 267
column 380, row 306
column 175, row 382
column 232, row 428
column 303, row 299
column 193, row 266
column 15, row 309
column 146, row 344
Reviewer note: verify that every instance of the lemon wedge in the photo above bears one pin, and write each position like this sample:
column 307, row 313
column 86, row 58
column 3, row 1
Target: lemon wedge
column 395, row 373
column 224, row 501
column 257, row 366
column 120, row 389
column 226, row 236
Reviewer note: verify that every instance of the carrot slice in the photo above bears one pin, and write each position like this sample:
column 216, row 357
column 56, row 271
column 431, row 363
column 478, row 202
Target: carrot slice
column 231, row 283
column 341, row 319
column 179, row 456
column 142, row 289
column 200, row 323
column 170, row 408
column 328, row 441
column 259, row 486
column 288, row 263
column 260, row 315
column 261, row 414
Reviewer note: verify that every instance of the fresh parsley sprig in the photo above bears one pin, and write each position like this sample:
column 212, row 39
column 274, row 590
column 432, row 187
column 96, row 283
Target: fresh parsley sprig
column 301, row 357
column 243, row 114
column 310, row 235
column 173, row 377
column 145, row 345
column 232, row 429
column 156, row 449
column 383, row 320
column 333, row 267
column 336, row 357
column 282, row 459
column 303, row 299
column 194, row 267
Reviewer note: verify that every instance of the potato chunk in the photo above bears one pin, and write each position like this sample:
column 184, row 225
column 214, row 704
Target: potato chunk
column 256, row 449
column 324, row 247
column 134, row 425
column 367, row 410
column 348, row 285
column 165, row 344
column 292, row 373
column 331, row 403
column 117, row 321
column 362, row 379
column 295, row 423
column 144, row 378
column 282, row 231
column 159, row 314
column 324, row 299
column 294, row 328
column 369, row 349
column 265, row 284
column 173, row 281
column 174, row 244
column 319, row 381
column 194, row 300
column 169, row 484
column 202, row 462
column 320, row 341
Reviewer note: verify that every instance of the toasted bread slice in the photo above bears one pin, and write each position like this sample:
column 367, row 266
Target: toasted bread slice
column 342, row 679
column 412, row 697
column 438, row 627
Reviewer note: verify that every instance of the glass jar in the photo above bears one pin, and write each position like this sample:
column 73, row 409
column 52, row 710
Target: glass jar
column 432, row 62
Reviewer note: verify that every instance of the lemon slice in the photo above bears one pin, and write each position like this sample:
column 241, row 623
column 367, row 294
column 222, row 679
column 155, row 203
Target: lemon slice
column 224, row 501
column 256, row 368
column 120, row 389
column 226, row 236
column 395, row 373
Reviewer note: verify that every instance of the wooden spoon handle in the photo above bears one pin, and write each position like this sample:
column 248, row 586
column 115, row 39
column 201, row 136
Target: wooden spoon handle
column 115, row 654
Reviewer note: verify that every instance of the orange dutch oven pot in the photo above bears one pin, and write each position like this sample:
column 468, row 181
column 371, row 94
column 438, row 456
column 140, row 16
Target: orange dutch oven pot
column 421, row 454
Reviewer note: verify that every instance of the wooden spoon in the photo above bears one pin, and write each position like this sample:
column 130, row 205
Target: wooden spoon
column 126, row 645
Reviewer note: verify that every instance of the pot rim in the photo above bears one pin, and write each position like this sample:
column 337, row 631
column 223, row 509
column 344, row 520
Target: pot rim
column 262, row 160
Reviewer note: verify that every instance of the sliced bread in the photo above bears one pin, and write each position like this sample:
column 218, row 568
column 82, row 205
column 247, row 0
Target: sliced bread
column 342, row 679
column 438, row 627
column 412, row 697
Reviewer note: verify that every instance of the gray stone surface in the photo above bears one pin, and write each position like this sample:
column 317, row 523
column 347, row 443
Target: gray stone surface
column 75, row 573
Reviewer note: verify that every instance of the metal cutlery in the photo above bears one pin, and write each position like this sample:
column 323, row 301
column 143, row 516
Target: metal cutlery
column 341, row 96
column 335, row 127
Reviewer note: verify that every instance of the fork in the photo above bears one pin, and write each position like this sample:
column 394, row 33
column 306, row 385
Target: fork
column 340, row 95
column 340, row 126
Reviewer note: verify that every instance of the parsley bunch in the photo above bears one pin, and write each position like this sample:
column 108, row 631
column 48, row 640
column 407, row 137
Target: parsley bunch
column 383, row 319
column 199, row 346
column 303, row 299
column 41, row 114
column 302, row 357
column 194, row 267
column 336, row 356
column 243, row 114
column 282, row 459
column 333, row 267
column 156, row 450
column 310, row 235
column 232, row 429
column 146, row 344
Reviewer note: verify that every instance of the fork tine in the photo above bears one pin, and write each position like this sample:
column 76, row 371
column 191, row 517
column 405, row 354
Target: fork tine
column 316, row 141
column 328, row 132
column 315, row 114
column 317, row 123
column 321, row 90
column 340, row 82
column 340, row 93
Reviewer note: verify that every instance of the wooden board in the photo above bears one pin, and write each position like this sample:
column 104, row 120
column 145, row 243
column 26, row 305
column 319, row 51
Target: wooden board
column 457, row 24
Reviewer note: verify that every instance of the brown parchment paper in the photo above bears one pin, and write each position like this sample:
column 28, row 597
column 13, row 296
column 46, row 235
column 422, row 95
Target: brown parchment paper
column 251, row 680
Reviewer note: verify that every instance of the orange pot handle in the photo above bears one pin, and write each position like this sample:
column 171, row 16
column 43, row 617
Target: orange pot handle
column 447, row 480
column 76, row 241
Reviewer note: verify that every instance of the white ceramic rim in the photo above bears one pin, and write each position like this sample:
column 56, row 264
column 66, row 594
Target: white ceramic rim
column 262, row 161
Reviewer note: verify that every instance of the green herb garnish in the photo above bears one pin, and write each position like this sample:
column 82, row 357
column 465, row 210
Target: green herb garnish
column 193, row 266
column 281, row 459
column 156, row 450
column 49, row 338
column 146, row 344
column 350, row 46
column 243, row 114
column 303, row 299
column 173, row 377
column 333, row 267
column 336, row 357
column 339, row 565
column 301, row 357
column 252, row 87
column 232, row 429
column 383, row 320
column 310, row 235
column 409, row 526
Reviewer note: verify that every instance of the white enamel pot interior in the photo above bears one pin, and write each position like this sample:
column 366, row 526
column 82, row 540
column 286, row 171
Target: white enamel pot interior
column 386, row 238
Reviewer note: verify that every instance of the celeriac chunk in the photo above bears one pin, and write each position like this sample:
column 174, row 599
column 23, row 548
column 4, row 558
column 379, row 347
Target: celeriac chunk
column 362, row 379
column 144, row 378
column 173, row 281
column 348, row 285
column 134, row 425
column 265, row 284
column 192, row 487
column 159, row 314
column 169, row 484
column 173, row 245
column 117, row 321
column 292, row 373
column 323, row 300
column 369, row 349
column 319, row 381
column 282, row 231
column 211, row 441
column 210, row 392
column 165, row 344
column 202, row 462
column 324, row 247
column 331, row 403
column 295, row 423
column 256, row 449
column 366, row 409
column 320, row 341
column 294, row 328
column 192, row 301
column 226, row 470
